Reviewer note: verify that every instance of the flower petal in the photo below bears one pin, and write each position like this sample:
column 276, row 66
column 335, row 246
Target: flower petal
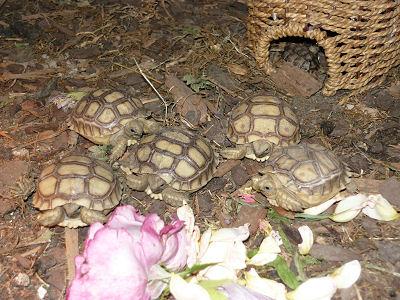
column 349, row 208
column 380, row 209
column 240, row 233
column 320, row 288
column 219, row 272
column 183, row 290
column 347, row 275
column 316, row 210
column 308, row 239
column 111, row 259
column 236, row 291
column 264, row 286
column 267, row 253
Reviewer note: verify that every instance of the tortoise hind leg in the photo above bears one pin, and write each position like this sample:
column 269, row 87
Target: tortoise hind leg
column 175, row 198
column 90, row 216
column 137, row 182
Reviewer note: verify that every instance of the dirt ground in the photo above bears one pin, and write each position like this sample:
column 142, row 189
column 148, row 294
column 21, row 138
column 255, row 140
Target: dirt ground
column 48, row 48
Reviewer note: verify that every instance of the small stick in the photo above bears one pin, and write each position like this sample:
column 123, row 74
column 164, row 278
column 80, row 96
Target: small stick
column 71, row 251
column 154, row 89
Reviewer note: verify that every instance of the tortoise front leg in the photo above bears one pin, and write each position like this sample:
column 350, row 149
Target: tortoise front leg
column 238, row 152
column 137, row 182
column 52, row 217
column 119, row 148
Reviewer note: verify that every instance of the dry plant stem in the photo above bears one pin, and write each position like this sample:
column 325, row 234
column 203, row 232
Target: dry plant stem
column 71, row 251
column 155, row 90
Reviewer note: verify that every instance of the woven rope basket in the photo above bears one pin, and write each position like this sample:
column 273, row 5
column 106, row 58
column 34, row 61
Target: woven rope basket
column 361, row 38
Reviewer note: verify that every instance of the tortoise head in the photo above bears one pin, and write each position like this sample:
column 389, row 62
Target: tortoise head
column 261, row 149
column 265, row 184
column 134, row 129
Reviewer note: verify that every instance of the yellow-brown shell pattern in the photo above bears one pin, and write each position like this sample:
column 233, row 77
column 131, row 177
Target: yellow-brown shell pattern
column 183, row 159
column 310, row 172
column 264, row 118
column 78, row 180
column 103, row 113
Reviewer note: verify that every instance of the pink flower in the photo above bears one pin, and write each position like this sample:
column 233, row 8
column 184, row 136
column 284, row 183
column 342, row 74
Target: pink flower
column 248, row 198
column 119, row 256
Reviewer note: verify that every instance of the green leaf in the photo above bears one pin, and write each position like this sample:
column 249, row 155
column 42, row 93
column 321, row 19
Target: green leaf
column 286, row 243
column 273, row 215
column 311, row 217
column 284, row 272
column 211, row 287
column 189, row 79
column 195, row 269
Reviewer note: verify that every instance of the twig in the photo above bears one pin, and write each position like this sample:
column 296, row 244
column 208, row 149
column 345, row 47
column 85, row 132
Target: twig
column 29, row 75
column 41, row 139
column 152, row 86
column 374, row 267
column 52, row 14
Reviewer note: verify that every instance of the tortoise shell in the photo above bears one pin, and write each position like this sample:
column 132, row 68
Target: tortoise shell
column 302, row 56
column 103, row 113
column 264, row 118
column 78, row 180
column 305, row 175
column 183, row 159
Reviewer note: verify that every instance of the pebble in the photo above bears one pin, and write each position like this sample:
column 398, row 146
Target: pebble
column 22, row 279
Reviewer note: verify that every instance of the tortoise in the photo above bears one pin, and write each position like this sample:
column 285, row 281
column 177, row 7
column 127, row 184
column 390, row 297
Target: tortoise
column 105, row 117
column 305, row 56
column 76, row 191
column 300, row 176
column 257, row 125
column 170, row 164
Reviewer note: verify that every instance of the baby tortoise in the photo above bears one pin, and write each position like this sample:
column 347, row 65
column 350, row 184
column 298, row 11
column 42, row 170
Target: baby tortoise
column 305, row 56
column 259, row 124
column 105, row 117
column 170, row 164
column 301, row 176
column 76, row 191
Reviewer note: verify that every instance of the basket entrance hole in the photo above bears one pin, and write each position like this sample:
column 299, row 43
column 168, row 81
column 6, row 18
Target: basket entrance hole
column 301, row 52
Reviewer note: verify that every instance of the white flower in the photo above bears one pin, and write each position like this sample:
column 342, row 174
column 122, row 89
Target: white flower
column 320, row 288
column 316, row 210
column 268, row 251
column 323, row 288
column 185, row 213
column 349, row 208
column 346, row 275
column 183, row 290
column 264, row 286
column 380, row 209
column 308, row 239
column 374, row 206
column 225, row 248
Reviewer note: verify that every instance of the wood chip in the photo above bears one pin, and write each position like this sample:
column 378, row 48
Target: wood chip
column 295, row 81
column 226, row 167
column 191, row 107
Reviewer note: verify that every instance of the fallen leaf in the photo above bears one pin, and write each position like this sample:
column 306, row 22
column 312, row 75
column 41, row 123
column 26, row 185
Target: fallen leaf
column 251, row 215
column 237, row 69
column 225, row 167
